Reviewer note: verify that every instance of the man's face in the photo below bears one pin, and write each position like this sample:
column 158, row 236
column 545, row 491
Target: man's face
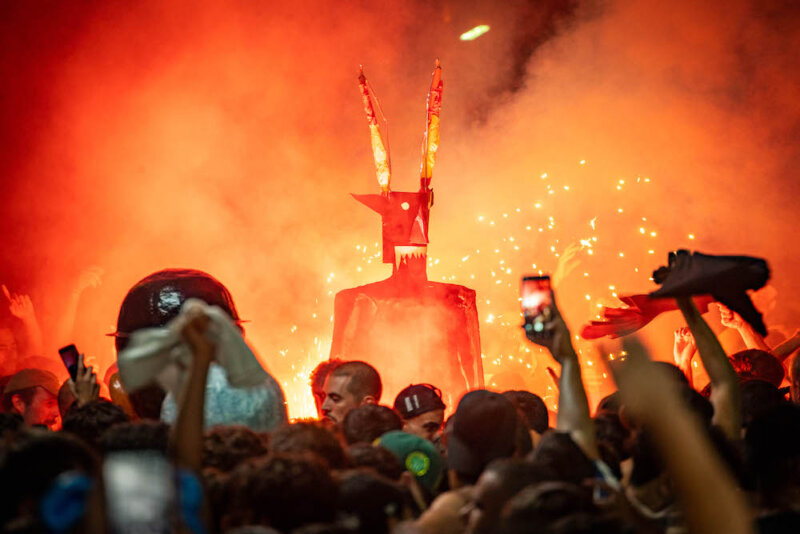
column 338, row 400
column 8, row 350
column 426, row 425
column 488, row 499
column 42, row 410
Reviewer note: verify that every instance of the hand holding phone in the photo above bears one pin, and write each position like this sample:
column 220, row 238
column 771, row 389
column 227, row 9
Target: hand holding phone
column 83, row 383
column 537, row 305
column 543, row 323
column 72, row 360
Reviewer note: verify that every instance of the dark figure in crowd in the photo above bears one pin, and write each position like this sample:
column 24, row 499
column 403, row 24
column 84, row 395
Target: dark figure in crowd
column 349, row 385
column 422, row 409
column 318, row 377
column 368, row 422
column 33, row 394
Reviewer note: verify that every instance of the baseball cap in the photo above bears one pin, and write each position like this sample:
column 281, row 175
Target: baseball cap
column 418, row 399
column 419, row 456
column 31, row 378
column 484, row 428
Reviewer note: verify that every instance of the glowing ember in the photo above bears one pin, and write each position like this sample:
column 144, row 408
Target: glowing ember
column 474, row 33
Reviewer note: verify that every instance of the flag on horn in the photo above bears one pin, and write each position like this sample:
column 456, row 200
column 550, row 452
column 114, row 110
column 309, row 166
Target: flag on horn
column 380, row 144
column 430, row 143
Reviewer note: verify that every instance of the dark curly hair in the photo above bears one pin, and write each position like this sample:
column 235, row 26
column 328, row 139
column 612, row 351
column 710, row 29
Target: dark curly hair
column 225, row 447
column 135, row 436
column 309, row 437
column 89, row 421
column 283, row 491
column 377, row 458
column 368, row 422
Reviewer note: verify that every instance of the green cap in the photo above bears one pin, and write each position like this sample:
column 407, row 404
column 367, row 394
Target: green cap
column 419, row 456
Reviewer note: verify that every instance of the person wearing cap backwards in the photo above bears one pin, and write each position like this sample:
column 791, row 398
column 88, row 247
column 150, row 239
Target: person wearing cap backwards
column 422, row 410
column 33, row 394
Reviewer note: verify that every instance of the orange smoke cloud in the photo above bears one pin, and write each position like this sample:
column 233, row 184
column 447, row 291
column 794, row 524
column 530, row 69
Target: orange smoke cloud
column 227, row 136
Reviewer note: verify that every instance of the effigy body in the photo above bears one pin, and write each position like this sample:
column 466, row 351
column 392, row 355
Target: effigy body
column 411, row 332
column 410, row 329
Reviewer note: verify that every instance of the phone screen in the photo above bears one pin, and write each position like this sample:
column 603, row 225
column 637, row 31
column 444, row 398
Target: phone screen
column 537, row 301
column 140, row 492
column 70, row 357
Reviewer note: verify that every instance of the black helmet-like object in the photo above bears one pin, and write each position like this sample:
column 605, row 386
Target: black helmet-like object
column 157, row 299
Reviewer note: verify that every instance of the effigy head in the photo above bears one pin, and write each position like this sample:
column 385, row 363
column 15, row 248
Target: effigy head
column 404, row 215
column 404, row 220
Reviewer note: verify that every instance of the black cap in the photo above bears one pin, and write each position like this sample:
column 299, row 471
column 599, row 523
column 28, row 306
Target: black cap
column 418, row 399
column 484, row 428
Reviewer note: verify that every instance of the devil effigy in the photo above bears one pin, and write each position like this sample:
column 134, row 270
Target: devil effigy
column 410, row 329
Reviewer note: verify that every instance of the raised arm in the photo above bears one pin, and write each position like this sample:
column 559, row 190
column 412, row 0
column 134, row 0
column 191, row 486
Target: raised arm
column 693, row 466
column 785, row 349
column 684, row 350
column 574, row 416
column 21, row 307
column 751, row 338
column 91, row 277
column 725, row 394
column 186, row 440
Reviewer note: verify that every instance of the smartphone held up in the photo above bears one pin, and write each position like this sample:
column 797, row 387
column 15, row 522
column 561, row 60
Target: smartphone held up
column 71, row 358
column 537, row 304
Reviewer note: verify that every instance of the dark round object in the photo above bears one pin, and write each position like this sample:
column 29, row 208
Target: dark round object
column 157, row 299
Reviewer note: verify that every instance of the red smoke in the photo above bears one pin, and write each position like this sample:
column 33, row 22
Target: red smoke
column 226, row 136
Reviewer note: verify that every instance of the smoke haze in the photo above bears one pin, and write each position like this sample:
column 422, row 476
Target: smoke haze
column 227, row 136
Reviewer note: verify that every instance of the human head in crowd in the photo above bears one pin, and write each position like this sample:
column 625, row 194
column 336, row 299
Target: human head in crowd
column 558, row 458
column 418, row 456
column 376, row 458
column 758, row 364
column 33, row 394
column 225, row 447
column 422, row 409
column 9, row 350
column 548, row 505
column 89, row 421
column 281, row 491
column 317, row 378
column 500, row 481
column 484, row 428
column 135, row 436
column 531, row 407
column 28, row 471
column 377, row 504
column 758, row 397
column 349, row 385
column 368, row 422
column 309, row 437
column 154, row 301
column 772, row 452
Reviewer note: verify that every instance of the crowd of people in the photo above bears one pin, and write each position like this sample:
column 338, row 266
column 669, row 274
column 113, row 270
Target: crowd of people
column 189, row 437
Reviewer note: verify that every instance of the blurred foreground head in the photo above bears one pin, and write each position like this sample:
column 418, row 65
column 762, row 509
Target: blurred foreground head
column 157, row 299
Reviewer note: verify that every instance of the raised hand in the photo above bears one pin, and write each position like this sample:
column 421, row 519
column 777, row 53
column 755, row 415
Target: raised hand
column 567, row 263
column 194, row 332
column 20, row 306
column 89, row 277
column 85, row 387
column 684, row 347
column 729, row 318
